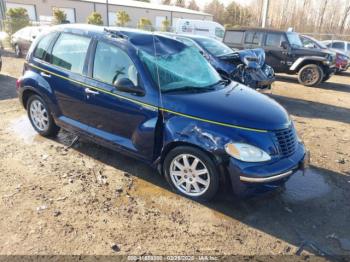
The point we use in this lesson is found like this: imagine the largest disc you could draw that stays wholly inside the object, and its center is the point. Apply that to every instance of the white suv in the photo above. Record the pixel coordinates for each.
(340, 45)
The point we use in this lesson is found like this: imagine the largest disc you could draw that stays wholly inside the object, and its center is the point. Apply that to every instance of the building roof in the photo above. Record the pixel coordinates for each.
(145, 5)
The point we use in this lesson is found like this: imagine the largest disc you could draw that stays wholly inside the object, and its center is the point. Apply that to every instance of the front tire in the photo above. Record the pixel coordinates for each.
(191, 173)
(326, 77)
(40, 117)
(310, 75)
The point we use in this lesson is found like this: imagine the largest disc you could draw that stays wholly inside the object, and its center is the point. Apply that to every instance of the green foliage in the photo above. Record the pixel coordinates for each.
(123, 18)
(16, 19)
(144, 23)
(95, 19)
(165, 25)
(59, 16)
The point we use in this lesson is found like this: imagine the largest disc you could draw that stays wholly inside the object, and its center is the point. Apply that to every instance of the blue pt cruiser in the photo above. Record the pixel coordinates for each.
(158, 100)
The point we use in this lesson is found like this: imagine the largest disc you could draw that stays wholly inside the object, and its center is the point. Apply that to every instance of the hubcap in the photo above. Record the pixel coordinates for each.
(189, 175)
(309, 75)
(39, 115)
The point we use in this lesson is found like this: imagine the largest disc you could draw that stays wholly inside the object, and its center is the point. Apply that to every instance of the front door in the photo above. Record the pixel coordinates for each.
(276, 56)
(119, 118)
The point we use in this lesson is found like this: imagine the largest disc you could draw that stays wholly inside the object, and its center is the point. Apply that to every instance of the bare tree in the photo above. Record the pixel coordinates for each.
(166, 2)
(217, 9)
(193, 5)
(345, 17)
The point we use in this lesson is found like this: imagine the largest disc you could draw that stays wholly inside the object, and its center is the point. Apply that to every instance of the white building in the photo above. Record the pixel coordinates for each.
(77, 11)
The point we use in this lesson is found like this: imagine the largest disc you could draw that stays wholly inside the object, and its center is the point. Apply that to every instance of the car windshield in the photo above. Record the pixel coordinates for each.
(318, 43)
(214, 47)
(294, 40)
(174, 72)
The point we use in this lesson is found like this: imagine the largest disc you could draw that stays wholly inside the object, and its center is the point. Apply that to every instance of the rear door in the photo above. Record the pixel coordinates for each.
(64, 72)
(276, 56)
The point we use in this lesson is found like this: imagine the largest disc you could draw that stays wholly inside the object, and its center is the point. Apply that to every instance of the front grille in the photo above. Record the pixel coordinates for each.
(287, 141)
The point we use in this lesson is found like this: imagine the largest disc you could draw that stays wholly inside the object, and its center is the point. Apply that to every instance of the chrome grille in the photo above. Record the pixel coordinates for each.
(287, 141)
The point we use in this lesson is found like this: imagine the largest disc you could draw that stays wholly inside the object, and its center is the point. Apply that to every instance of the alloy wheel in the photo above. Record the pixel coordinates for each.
(189, 175)
(39, 115)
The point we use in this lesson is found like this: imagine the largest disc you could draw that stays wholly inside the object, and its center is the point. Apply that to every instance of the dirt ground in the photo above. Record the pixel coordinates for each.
(92, 201)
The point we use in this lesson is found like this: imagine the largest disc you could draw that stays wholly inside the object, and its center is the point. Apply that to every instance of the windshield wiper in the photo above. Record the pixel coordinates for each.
(189, 88)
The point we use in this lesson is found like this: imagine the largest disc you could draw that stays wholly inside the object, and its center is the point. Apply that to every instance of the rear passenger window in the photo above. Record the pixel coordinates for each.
(253, 38)
(42, 47)
(233, 37)
(338, 45)
(111, 64)
(274, 40)
(70, 51)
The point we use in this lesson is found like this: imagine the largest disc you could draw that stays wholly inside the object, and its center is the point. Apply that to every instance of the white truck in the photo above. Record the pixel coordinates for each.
(200, 27)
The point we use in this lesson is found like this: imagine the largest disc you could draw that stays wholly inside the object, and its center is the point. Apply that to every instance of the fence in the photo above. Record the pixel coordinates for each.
(332, 37)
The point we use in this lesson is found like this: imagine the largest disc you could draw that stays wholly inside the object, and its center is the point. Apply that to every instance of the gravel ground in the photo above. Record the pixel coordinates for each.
(92, 201)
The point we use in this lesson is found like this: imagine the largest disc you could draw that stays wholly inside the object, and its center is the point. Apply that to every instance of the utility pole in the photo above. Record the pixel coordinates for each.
(265, 13)
(2, 14)
(107, 8)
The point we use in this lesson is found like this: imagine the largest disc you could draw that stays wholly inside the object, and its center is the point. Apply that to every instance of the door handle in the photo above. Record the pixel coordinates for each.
(45, 75)
(92, 92)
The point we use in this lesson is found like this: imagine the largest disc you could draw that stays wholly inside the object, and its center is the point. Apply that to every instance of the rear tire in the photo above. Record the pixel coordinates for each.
(310, 75)
(191, 173)
(40, 117)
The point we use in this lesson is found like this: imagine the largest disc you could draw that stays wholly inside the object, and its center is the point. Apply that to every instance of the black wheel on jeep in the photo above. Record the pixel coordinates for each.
(310, 75)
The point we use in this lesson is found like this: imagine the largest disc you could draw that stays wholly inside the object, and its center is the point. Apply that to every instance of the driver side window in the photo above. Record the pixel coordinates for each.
(111, 64)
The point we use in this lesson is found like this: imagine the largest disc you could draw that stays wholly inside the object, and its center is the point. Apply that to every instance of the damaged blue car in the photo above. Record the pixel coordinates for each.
(246, 66)
(160, 101)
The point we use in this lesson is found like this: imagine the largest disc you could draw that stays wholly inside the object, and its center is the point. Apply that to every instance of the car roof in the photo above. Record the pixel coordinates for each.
(256, 29)
(141, 39)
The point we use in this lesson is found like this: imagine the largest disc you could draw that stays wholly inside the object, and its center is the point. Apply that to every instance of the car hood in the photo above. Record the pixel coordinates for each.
(313, 51)
(235, 105)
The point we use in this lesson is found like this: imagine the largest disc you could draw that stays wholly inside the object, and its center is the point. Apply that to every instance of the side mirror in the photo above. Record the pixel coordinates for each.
(33, 37)
(127, 86)
(285, 45)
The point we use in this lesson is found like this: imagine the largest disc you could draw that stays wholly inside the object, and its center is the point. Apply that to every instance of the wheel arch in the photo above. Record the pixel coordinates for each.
(301, 62)
(28, 92)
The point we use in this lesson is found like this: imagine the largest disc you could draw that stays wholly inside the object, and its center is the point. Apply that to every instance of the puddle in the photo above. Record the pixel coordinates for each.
(22, 128)
(305, 187)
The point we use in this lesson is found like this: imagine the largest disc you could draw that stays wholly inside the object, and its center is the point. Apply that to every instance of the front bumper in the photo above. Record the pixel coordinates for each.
(262, 178)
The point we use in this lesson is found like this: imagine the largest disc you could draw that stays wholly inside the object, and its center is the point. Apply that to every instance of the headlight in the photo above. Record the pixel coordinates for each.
(246, 153)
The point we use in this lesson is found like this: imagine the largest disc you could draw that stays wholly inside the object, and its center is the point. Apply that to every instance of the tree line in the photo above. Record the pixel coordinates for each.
(310, 16)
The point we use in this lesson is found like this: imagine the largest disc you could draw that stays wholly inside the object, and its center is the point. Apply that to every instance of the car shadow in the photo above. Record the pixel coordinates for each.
(328, 85)
(311, 109)
(7, 87)
(346, 73)
(310, 207)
